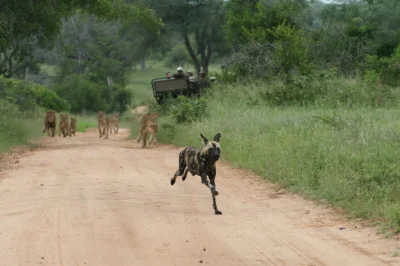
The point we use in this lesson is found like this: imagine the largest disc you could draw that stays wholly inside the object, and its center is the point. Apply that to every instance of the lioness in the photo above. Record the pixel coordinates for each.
(72, 126)
(63, 126)
(148, 124)
(114, 123)
(50, 123)
(103, 124)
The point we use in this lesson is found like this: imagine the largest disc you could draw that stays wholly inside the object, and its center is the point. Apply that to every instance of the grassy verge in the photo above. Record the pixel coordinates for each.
(15, 132)
(347, 156)
(17, 128)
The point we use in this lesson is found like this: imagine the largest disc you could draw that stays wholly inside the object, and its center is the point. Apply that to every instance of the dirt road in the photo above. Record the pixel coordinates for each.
(90, 201)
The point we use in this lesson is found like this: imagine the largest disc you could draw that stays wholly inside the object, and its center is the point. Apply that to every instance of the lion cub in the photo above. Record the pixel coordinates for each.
(103, 124)
(50, 123)
(72, 126)
(148, 124)
(63, 126)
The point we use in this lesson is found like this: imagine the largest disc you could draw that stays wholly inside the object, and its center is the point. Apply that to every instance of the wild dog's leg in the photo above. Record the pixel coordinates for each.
(182, 166)
(212, 189)
(216, 211)
(211, 175)
(185, 174)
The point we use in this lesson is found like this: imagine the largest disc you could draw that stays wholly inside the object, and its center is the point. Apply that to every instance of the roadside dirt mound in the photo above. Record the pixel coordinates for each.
(90, 201)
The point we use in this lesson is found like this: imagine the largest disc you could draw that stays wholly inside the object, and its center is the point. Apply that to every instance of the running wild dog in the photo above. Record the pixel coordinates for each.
(201, 162)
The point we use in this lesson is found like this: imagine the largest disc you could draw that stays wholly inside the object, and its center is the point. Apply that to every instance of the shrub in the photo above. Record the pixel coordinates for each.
(188, 110)
(85, 94)
(30, 95)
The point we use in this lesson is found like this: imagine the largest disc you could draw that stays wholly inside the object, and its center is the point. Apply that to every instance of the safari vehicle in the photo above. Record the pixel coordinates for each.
(164, 87)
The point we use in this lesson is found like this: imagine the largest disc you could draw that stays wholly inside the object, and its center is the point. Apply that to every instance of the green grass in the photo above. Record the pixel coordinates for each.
(85, 122)
(16, 132)
(17, 128)
(348, 157)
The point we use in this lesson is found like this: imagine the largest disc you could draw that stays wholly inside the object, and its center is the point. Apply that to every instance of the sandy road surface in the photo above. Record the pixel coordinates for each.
(90, 201)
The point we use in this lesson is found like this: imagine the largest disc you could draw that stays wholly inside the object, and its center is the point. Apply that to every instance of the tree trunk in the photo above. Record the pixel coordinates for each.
(189, 48)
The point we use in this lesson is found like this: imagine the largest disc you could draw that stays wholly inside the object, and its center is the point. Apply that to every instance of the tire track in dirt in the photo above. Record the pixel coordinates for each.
(90, 201)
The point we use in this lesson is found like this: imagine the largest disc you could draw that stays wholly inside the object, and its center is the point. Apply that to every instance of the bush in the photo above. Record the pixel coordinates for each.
(30, 95)
(188, 110)
(85, 94)
(385, 69)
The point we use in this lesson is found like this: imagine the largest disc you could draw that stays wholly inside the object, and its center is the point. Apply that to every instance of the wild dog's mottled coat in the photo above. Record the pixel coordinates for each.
(202, 163)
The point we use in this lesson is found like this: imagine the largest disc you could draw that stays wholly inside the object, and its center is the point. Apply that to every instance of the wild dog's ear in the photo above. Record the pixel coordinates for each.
(205, 140)
(217, 136)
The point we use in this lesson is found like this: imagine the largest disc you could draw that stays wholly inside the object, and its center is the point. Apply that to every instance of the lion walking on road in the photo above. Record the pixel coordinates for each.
(72, 126)
(148, 124)
(63, 126)
(50, 123)
(103, 123)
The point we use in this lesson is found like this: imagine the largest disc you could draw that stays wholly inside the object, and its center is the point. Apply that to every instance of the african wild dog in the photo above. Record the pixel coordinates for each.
(202, 163)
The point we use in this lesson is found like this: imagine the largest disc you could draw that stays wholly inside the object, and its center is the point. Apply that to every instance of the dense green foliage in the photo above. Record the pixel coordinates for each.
(26, 25)
(30, 95)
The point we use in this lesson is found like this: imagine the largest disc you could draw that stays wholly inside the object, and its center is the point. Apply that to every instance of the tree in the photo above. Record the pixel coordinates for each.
(25, 24)
(199, 24)
(249, 21)
(267, 37)
(96, 57)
